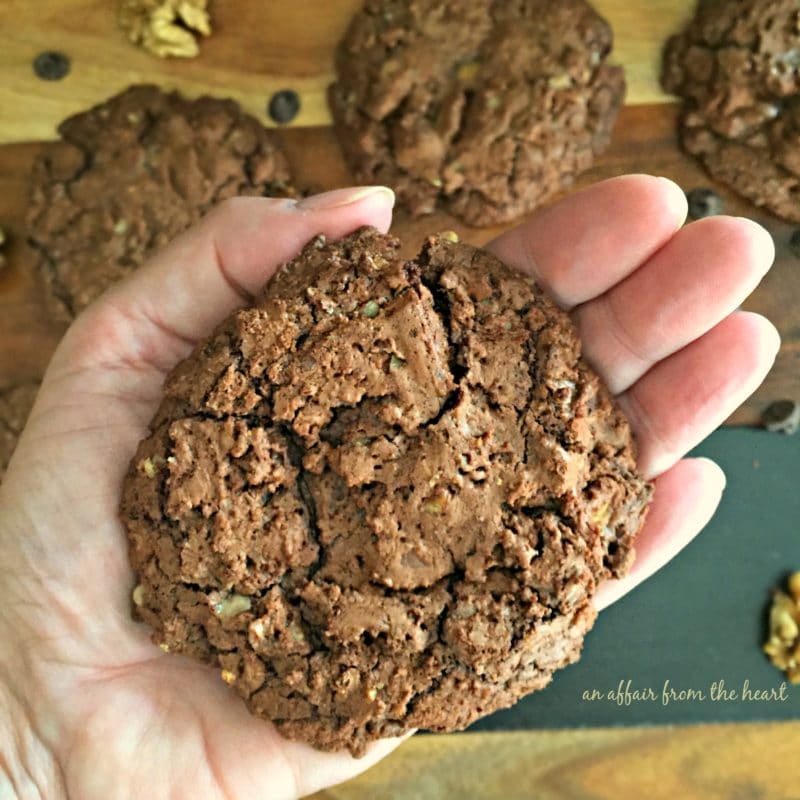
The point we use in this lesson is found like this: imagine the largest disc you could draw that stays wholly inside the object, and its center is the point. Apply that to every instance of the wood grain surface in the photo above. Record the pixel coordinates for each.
(256, 49)
(708, 762)
(644, 142)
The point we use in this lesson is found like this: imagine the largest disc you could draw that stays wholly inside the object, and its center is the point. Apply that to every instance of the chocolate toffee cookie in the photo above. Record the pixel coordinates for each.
(130, 175)
(16, 403)
(736, 66)
(485, 108)
(383, 497)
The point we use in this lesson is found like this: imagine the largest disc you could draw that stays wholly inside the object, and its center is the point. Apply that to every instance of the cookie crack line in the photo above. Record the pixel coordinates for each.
(296, 456)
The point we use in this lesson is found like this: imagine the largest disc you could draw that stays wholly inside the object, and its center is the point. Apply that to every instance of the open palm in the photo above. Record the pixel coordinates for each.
(99, 711)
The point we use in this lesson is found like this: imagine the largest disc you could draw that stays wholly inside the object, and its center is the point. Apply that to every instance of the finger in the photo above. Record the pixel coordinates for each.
(684, 398)
(703, 274)
(685, 499)
(581, 247)
(178, 297)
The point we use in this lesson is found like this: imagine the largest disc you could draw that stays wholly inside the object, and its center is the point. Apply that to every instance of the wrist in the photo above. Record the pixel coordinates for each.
(28, 768)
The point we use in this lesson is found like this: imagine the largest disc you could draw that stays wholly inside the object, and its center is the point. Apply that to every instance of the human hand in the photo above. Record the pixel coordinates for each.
(88, 707)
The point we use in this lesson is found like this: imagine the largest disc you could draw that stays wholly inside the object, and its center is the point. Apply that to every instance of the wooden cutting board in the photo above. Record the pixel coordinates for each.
(260, 47)
(704, 762)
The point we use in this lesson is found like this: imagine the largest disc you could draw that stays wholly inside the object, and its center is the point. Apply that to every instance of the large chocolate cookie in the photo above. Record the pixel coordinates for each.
(383, 497)
(16, 403)
(483, 107)
(737, 65)
(133, 173)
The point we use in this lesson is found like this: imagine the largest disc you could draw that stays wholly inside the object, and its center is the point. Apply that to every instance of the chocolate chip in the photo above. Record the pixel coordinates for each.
(51, 65)
(794, 243)
(284, 105)
(782, 417)
(704, 203)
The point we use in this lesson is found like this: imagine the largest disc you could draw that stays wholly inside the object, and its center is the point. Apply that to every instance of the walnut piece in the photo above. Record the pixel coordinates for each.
(2, 243)
(228, 676)
(138, 595)
(165, 27)
(230, 606)
(783, 645)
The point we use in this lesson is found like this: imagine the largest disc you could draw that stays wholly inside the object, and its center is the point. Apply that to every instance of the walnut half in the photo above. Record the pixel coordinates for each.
(783, 645)
(165, 27)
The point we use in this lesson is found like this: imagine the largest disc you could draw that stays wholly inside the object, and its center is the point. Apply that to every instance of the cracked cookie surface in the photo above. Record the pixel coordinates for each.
(131, 174)
(485, 108)
(737, 66)
(382, 497)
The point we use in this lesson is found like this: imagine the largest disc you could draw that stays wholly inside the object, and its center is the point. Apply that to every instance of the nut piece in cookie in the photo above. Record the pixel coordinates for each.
(131, 174)
(165, 27)
(736, 68)
(383, 496)
(483, 108)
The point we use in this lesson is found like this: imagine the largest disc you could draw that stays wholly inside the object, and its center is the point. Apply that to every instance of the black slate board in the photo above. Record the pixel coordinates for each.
(701, 619)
